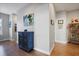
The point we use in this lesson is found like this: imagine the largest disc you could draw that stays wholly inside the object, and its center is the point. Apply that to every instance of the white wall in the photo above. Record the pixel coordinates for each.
(52, 27)
(71, 14)
(61, 30)
(41, 25)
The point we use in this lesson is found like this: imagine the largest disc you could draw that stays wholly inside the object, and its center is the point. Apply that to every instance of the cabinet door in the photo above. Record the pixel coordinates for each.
(21, 39)
(30, 37)
(25, 40)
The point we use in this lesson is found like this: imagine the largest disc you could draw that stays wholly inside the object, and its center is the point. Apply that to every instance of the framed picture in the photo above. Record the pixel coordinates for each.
(28, 19)
(60, 21)
(52, 22)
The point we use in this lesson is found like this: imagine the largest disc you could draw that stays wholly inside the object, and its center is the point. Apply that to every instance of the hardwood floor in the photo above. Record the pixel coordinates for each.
(68, 49)
(10, 48)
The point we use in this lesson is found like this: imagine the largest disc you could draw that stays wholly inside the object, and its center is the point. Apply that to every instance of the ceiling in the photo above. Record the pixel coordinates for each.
(66, 6)
(14, 7)
(11, 7)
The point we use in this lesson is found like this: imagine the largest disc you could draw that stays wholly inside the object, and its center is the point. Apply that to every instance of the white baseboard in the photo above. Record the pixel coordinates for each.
(52, 48)
(4, 39)
(42, 51)
(61, 41)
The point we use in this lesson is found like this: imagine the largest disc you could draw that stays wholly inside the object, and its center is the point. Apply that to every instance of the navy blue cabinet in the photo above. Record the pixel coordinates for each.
(26, 40)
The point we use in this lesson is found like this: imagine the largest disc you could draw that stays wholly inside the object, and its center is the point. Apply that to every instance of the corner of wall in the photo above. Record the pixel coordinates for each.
(48, 53)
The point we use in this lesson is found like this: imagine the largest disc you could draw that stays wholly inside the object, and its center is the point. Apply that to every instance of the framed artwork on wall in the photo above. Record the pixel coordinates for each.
(60, 21)
(28, 20)
(52, 22)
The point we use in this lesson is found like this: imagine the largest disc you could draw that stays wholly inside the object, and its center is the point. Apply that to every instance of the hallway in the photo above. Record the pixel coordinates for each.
(68, 49)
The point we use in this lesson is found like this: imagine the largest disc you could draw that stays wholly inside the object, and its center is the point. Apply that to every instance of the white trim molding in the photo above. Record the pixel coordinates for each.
(61, 41)
(52, 48)
(42, 51)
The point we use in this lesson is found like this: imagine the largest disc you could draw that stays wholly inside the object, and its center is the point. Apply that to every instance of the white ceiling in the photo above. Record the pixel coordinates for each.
(66, 6)
(11, 7)
(14, 7)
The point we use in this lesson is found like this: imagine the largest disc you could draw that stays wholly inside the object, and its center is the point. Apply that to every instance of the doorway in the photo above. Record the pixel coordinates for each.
(14, 27)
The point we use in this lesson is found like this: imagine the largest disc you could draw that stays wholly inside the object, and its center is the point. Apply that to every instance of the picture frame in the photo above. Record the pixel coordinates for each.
(52, 22)
(60, 21)
(28, 19)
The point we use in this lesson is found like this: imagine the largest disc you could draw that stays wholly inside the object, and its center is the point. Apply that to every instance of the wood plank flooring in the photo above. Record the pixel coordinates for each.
(10, 48)
(68, 49)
